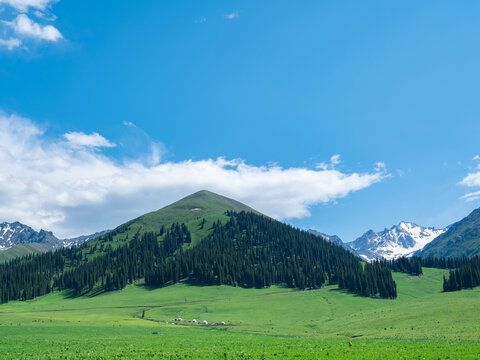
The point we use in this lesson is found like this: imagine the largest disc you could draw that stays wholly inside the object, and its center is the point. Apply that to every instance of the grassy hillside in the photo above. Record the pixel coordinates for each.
(22, 250)
(189, 210)
(261, 323)
(461, 239)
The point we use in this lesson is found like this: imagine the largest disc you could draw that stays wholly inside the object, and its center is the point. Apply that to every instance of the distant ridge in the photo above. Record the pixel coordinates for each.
(332, 238)
(17, 239)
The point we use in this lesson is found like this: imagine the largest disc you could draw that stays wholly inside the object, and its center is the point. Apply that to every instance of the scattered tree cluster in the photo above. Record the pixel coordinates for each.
(467, 276)
(374, 279)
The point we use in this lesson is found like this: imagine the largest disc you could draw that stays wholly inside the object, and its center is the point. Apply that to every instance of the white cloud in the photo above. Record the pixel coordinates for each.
(44, 16)
(472, 180)
(10, 44)
(23, 25)
(92, 140)
(232, 15)
(72, 189)
(24, 5)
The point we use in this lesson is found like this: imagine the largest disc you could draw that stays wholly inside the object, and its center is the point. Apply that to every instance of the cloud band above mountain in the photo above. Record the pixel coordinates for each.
(76, 189)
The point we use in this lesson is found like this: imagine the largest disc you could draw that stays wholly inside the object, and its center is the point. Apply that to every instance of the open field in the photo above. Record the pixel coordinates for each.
(422, 323)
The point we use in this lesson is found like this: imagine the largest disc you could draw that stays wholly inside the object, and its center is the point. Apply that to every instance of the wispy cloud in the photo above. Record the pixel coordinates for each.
(10, 44)
(232, 15)
(94, 140)
(472, 180)
(78, 189)
(129, 123)
(380, 166)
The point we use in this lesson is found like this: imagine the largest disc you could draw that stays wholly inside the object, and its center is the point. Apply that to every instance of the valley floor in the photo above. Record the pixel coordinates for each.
(274, 323)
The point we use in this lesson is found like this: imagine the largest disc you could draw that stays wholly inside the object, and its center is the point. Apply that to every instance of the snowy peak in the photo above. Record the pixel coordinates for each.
(15, 233)
(403, 239)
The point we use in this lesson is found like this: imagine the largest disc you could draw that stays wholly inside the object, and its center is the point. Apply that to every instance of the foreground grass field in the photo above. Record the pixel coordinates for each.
(136, 323)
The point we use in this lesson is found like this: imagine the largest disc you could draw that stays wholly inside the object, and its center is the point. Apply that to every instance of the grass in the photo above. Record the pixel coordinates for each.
(422, 323)
(22, 250)
(189, 210)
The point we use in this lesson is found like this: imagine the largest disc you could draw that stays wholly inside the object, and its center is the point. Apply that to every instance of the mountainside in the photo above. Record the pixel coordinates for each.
(189, 210)
(461, 239)
(205, 239)
(403, 239)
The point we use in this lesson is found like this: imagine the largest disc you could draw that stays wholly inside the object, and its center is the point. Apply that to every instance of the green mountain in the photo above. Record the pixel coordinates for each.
(189, 211)
(461, 239)
(204, 239)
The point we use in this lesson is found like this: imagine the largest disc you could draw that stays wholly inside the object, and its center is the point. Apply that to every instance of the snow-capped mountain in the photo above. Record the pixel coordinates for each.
(403, 239)
(82, 239)
(16, 233)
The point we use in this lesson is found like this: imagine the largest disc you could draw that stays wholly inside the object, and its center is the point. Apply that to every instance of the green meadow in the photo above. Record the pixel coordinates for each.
(273, 323)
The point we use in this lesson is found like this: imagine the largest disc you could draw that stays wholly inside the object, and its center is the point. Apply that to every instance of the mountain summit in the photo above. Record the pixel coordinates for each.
(403, 239)
(200, 205)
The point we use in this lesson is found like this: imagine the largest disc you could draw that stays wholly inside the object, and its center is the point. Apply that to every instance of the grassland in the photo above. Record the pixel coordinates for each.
(423, 323)
(22, 250)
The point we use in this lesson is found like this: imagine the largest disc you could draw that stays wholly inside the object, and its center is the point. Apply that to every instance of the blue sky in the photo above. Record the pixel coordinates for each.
(162, 89)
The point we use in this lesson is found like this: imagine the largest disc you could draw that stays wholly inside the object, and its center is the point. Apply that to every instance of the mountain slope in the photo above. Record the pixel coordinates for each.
(239, 248)
(189, 210)
(403, 239)
(461, 239)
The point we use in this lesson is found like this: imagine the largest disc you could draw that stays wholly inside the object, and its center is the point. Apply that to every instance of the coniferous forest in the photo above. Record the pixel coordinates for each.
(249, 250)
